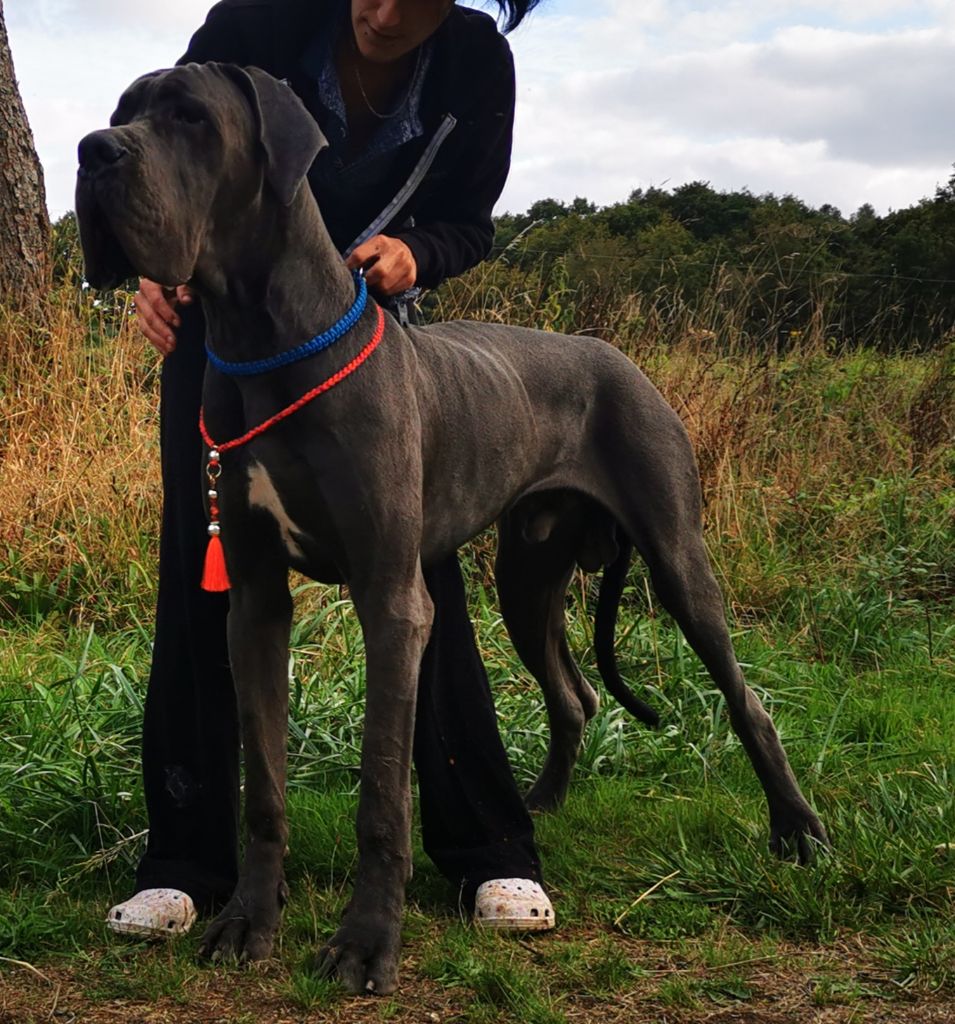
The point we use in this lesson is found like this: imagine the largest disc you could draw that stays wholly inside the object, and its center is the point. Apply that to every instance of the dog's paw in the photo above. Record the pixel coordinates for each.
(799, 836)
(363, 955)
(245, 929)
(546, 795)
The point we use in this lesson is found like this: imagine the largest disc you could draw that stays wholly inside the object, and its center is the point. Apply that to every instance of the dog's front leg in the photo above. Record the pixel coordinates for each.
(259, 621)
(396, 622)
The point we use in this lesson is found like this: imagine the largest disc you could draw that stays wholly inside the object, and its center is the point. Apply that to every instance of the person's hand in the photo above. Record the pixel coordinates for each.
(156, 312)
(394, 269)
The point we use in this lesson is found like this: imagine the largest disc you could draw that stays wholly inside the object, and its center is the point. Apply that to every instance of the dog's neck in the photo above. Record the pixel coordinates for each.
(272, 288)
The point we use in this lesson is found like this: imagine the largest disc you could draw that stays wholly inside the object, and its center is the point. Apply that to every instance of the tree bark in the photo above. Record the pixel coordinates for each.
(24, 222)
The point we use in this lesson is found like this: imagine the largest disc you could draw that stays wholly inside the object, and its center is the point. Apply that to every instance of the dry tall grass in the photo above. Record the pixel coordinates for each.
(810, 450)
(812, 454)
(79, 455)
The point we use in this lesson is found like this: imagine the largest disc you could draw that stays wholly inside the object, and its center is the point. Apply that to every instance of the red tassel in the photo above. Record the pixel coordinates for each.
(214, 575)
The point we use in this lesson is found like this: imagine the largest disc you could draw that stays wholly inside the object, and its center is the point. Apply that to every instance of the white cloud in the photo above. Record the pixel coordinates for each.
(835, 114)
(870, 98)
(142, 20)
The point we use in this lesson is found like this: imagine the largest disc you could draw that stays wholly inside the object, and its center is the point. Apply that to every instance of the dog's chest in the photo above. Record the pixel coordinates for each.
(269, 515)
(263, 495)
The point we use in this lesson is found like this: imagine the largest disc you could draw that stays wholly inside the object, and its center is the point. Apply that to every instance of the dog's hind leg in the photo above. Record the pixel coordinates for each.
(532, 578)
(260, 617)
(671, 543)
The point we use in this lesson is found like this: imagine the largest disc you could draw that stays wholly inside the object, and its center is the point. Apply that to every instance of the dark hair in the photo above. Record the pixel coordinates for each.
(514, 11)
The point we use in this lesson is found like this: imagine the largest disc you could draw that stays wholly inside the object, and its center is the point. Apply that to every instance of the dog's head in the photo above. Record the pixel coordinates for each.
(189, 152)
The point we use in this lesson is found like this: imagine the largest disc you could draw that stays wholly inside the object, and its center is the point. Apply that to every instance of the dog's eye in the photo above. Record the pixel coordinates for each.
(187, 115)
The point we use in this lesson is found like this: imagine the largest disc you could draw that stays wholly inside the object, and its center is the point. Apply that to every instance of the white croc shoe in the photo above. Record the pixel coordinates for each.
(154, 914)
(513, 904)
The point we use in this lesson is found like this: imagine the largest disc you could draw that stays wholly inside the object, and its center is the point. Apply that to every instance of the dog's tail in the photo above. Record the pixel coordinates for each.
(605, 624)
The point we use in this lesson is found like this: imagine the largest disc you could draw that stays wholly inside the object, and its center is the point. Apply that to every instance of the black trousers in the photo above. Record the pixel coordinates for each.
(474, 823)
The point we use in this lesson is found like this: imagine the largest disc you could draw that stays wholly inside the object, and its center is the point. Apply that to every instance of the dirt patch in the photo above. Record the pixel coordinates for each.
(791, 985)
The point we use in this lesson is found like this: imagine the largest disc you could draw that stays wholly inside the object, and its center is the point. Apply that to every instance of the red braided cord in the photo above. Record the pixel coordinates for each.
(326, 385)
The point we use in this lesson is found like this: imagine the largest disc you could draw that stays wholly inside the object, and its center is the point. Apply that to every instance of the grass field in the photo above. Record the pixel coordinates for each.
(829, 516)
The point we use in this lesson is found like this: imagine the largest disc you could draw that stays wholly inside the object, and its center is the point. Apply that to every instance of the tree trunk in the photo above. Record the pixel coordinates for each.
(24, 222)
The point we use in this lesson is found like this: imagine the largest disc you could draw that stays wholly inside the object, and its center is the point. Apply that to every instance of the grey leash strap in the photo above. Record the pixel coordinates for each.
(410, 186)
(403, 304)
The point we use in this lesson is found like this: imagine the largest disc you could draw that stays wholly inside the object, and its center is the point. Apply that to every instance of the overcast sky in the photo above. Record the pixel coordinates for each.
(843, 101)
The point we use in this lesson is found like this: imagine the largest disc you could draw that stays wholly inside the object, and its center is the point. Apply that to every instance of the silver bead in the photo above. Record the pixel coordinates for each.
(213, 495)
(214, 455)
(213, 530)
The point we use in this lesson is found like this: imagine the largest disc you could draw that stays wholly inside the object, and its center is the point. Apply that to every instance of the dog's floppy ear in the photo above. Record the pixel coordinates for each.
(288, 133)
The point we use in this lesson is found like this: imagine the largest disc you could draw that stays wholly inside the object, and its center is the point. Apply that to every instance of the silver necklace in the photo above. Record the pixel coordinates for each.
(404, 103)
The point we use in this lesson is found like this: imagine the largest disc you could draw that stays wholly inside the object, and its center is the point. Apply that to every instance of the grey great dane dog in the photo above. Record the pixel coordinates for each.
(442, 431)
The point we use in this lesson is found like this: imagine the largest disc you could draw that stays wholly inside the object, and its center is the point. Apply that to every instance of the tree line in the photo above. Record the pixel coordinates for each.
(883, 280)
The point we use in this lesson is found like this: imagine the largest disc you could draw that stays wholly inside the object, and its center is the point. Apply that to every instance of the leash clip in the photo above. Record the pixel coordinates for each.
(404, 303)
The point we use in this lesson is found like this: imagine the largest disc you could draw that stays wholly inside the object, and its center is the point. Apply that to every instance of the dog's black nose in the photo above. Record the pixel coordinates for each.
(100, 150)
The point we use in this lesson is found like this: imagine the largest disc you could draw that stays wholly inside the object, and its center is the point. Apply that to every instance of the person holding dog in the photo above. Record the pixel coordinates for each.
(416, 98)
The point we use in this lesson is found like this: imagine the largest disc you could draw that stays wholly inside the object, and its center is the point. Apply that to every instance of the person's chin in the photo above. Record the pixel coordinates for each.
(380, 49)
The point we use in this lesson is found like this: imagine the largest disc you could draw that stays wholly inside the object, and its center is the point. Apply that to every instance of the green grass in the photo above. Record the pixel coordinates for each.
(661, 846)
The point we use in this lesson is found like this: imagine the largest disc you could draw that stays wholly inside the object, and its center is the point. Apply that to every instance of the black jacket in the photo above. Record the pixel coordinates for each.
(471, 77)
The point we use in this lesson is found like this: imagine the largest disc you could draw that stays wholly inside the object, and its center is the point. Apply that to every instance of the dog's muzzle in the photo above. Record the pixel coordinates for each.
(99, 152)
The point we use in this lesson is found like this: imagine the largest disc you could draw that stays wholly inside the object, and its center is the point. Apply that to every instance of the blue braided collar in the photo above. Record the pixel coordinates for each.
(293, 355)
